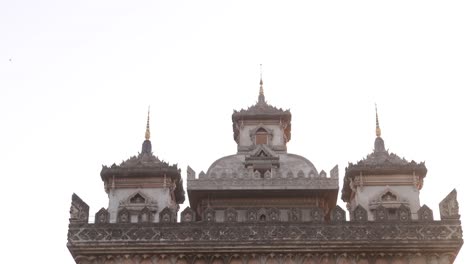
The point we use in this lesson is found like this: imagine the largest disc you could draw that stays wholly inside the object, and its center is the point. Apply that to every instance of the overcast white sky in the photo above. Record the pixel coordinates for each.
(76, 78)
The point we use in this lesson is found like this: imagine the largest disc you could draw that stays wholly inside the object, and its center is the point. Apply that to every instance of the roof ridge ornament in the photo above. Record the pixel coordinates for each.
(146, 148)
(261, 95)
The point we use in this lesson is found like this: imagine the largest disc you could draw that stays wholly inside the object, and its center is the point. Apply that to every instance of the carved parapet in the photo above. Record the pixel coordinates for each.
(187, 215)
(360, 214)
(449, 207)
(425, 214)
(79, 210)
(102, 216)
(338, 215)
(167, 215)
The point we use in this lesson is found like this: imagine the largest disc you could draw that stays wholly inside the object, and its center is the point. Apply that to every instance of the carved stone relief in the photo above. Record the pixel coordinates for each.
(294, 215)
(187, 215)
(167, 216)
(102, 216)
(209, 215)
(123, 216)
(338, 215)
(360, 214)
(317, 214)
(79, 210)
(425, 214)
(449, 206)
(230, 215)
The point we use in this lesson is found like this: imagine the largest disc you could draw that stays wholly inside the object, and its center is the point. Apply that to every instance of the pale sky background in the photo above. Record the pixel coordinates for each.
(76, 78)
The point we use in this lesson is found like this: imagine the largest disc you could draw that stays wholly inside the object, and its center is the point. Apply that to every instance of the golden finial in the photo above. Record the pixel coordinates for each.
(261, 80)
(377, 126)
(147, 133)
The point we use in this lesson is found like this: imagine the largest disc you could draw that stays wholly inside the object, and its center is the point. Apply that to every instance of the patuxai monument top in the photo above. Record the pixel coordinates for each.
(264, 205)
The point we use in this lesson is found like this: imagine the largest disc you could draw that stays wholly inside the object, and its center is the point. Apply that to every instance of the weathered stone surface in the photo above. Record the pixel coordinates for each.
(79, 210)
(449, 206)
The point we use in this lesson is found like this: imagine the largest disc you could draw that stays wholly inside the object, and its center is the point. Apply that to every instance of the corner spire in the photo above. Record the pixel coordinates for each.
(147, 133)
(261, 95)
(378, 132)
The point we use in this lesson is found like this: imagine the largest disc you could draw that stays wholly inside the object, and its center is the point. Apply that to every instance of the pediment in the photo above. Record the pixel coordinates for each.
(262, 151)
(389, 198)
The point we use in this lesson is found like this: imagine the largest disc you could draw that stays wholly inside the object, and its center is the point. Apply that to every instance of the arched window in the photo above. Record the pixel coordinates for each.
(261, 136)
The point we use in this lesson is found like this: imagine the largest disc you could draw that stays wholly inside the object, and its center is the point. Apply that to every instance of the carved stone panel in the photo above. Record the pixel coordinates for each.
(381, 214)
(123, 216)
(425, 214)
(209, 215)
(188, 215)
(252, 215)
(145, 215)
(360, 214)
(404, 213)
(102, 216)
(273, 215)
(294, 215)
(230, 215)
(167, 216)
(338, 215)
(316, 215)
(449, 206)
(79, 210)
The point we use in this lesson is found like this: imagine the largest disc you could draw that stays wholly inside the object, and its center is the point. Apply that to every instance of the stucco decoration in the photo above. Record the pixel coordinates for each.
(317, 214)
(145, 215)
(338, 215)
(137, 201)
(167, 216)
(449, 206)
(251, 215)
(360, 214)
(187, 215)
(381, 213)
(425, 214)
(404, 213)
(294, 215)
(388, 198)
(123, 216)
(230, 215)
(209, 215)
(273, 214)
(79, 210)
(102, 216)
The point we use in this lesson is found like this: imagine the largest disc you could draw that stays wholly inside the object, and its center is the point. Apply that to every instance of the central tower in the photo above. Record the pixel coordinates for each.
(262, 180)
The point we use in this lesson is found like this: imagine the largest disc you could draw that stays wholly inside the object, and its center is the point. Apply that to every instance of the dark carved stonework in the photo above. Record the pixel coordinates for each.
(381, 213)
(167, 216)
(230, 215)
(145, 215)
(338, 215)
(79, 210)
(317, 214)
(449, 206)
(360, 214)
(209, 215)
(425, 214)
(102, 216)
(123, 216)
(294, 215)
(252, 215)
(273, 214)
(404, 213)
(188, 215)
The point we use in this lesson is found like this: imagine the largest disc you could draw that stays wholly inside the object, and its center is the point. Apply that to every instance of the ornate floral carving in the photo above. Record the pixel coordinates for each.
(360, 214)
(273, 214)
(145, 215)
(123, 216)
(79, 210)
(294, 215)
(425, 214)
(338, 214)
(230, 215)
(381, 214)
(404, 213)
(102, 216)
(251, 215)
(317, 214)
(449, 206)
(167, 215)
(209, 215)
(187, 215)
